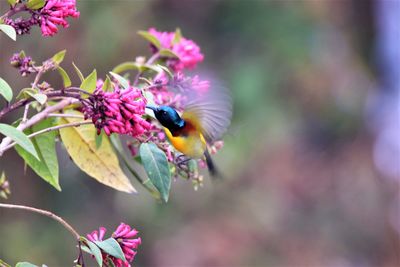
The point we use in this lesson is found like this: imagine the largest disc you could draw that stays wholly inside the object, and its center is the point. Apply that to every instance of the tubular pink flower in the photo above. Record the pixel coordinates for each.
(55, 13)
(187, 50)
(118, 112)
(124, 236)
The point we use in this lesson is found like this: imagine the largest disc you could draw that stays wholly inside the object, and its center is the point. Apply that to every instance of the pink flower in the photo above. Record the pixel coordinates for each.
(117, 112)
(55, 13)
(188, 51)
(189, 55)
(124, 235)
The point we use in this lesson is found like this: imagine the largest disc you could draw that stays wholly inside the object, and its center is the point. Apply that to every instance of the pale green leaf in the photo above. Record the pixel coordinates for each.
(121, 80)
(89, 83)
(65, 77)
(9, 31)
(5, 90)
(107, 85)
(12, 2)
(94, 250)
(100, 163)
(59, 57)
(156, 165)
(130, 65)
(25, 264)
(111, 247)
(177, 36)
(40, 98)
(35, 4)
(19, 137)
(168, 53)
(151, 38)
(78, 72)
(45, 145)
(26, 93)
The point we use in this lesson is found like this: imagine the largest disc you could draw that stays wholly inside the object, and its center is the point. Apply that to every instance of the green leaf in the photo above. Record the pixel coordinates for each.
(102, 164)
(12, 2)
(41, 98)
(99, 139)
(89, 83)
(19, 137)
(107, 86)
(78, 72)
(59, 57)
(151, 38)
(25, 264)
(5, 90)
(168, 53)
(177, 36)
(111, 247)
(9, 31)
(110, 262)
(65, 77)
(35, 4)
(94, 250)
(156, 165)
(130, 65)
(45, 145)
(121, 80)
(26, 93)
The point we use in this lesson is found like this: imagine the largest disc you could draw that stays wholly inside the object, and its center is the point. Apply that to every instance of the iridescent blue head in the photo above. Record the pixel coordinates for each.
(168, 117)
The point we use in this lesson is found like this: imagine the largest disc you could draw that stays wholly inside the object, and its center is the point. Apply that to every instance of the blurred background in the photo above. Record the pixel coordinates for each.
(311, 160)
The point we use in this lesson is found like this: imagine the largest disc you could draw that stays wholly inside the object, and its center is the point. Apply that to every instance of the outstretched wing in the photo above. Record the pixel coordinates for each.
(212, 108)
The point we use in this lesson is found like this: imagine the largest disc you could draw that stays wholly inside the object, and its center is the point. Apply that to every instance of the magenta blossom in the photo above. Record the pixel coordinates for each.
(124, 235)
(188, 51)
(119, 112)
(55, 13)
(23, 63)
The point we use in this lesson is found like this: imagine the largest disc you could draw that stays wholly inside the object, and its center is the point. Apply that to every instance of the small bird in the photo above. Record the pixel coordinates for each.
(205, 119)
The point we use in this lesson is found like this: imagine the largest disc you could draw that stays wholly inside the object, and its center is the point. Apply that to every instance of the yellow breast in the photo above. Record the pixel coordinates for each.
(192, 145)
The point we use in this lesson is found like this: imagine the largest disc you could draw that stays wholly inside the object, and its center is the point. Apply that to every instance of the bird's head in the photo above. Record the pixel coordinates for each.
(168, 117)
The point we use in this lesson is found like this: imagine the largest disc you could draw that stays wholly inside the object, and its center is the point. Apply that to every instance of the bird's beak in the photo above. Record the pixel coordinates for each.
(153, 108)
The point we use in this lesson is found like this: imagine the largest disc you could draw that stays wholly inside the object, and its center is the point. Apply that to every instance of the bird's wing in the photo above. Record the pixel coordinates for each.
(211, 109)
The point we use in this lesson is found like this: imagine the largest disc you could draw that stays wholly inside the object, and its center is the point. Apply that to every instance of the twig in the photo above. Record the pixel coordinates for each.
(63, 115)
(25, 116)
(45, 213)
(23, 102)
(35, 119)
(13, 11)
(72, 124)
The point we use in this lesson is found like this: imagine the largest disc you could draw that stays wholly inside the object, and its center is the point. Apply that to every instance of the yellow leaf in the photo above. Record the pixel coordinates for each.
(100, 163)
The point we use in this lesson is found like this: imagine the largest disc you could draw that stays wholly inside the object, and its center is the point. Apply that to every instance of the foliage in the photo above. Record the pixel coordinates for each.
(107, 123)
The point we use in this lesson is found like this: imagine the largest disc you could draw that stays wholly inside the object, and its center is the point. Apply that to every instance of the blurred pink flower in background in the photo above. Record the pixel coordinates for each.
(188, 51)
(55, 13)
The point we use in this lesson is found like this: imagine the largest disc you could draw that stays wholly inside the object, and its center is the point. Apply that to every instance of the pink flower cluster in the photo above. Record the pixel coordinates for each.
(124, 235)
(55, 13)
(173, 92)
(188, 51)
(117, 112)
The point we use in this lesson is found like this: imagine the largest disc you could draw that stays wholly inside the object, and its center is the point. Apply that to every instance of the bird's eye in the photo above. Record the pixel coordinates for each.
(164, 112)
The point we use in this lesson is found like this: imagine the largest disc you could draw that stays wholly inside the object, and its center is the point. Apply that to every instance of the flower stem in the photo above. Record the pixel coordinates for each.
(45, 213)
(13, 11)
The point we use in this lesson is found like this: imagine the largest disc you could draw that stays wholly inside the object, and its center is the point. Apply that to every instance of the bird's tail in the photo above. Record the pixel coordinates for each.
(211, 166)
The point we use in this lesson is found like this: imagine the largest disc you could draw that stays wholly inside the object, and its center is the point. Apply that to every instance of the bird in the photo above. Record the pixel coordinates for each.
(205, 118)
